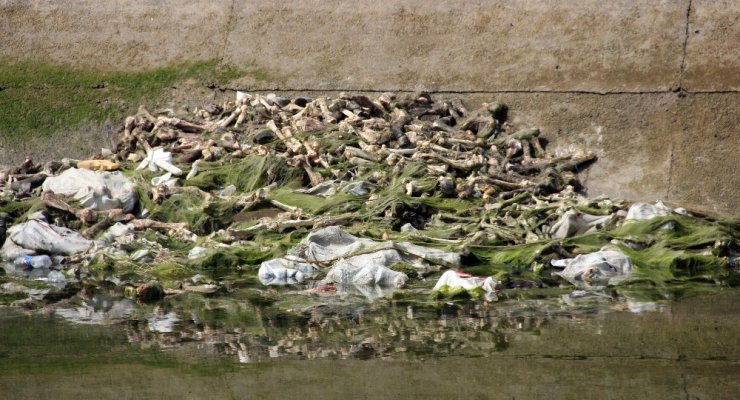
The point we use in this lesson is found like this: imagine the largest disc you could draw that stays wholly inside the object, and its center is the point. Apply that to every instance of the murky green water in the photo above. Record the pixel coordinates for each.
(545, 345)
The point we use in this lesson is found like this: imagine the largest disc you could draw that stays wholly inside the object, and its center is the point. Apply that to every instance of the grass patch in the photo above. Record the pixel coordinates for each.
(38, 99)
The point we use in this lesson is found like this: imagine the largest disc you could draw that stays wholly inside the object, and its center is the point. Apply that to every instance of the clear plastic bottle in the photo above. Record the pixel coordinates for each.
(56, 277)
(42, 261)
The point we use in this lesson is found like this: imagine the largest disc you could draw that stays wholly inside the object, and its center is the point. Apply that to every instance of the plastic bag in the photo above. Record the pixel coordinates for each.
(37, 236)
(284, 271)
(157, 159)
(605, 266)
(96, 190)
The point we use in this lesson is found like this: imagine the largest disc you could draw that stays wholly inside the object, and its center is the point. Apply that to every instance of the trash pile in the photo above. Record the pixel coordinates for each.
(353, 192)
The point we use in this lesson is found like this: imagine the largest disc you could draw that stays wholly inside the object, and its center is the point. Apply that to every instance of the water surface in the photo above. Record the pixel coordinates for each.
(549, 346)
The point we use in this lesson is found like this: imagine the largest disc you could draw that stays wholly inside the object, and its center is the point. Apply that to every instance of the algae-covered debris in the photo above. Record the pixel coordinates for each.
(456, 284)
(409, 183)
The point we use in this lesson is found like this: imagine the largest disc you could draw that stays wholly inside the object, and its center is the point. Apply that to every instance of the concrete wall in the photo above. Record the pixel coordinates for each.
(652, 86)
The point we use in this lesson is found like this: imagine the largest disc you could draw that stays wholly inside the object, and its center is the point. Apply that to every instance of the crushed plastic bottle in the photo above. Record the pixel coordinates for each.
(227, 191)
(56, 277)
(42, 261)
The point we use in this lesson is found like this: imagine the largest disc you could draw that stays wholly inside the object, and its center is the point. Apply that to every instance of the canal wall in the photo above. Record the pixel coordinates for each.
(652, 86)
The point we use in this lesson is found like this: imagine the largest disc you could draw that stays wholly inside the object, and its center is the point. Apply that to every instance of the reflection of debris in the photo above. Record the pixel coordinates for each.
(579, 298)
(640, 307)
(98, 310)
(163, 322)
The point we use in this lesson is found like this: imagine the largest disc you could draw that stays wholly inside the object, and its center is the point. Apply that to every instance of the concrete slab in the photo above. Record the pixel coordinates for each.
(488, 45)
(713, 48)
(706, 166)
(649, 146)
(114, 35)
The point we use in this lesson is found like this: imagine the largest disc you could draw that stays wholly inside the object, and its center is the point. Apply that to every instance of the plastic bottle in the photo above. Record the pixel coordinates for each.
(42, 261)
(56, 277)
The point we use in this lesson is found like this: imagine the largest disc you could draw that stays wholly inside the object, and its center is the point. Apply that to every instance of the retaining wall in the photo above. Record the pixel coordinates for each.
(652, 86)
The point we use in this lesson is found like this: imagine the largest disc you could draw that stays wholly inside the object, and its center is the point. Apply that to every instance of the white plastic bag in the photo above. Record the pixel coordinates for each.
(97, 190)
(605, 266)
(458, 279)
(284, 271)
(369, 269)
(40, 237)
(574, 223)
(643, 211)
(157, 159)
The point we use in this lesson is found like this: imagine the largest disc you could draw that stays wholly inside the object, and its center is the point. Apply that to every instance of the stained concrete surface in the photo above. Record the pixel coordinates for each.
(713, 46)
(113, 35)
(442, 45)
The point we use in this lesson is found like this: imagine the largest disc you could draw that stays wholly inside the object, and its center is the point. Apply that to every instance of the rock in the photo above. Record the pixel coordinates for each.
(447, 187)
(213, 109)
(273, 99)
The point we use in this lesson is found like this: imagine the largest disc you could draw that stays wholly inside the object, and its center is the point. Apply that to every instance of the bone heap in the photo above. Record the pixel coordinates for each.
(410, 167)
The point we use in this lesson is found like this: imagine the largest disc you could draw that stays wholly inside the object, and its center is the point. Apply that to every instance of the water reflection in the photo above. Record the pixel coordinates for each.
(51, 276)
(162, 322)
(99, 309)
(323, 328)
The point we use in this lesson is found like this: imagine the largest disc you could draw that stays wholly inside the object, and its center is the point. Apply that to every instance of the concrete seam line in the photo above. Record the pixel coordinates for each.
(443, 91)
(227, 31)
(687, 32)
(464, 91)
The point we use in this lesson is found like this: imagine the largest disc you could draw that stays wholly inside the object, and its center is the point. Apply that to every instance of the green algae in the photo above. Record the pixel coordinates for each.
(315, 205)
(172, 272)
(247, 174)
(672, 248)
(496, 259)
(17, 211)
(680, 232)
(7, 298)
(225, 261)
(411, 272)
(457, 293)
(203, 213)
